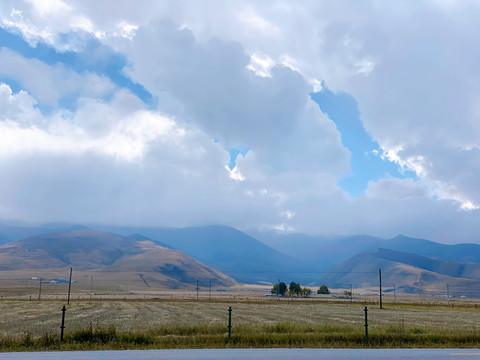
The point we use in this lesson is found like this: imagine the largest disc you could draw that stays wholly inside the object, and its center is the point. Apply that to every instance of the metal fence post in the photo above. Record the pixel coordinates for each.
(229, 323)
(62, 327)
(366, 324)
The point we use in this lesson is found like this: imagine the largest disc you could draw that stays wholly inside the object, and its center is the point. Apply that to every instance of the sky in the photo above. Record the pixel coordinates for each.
(319, 117)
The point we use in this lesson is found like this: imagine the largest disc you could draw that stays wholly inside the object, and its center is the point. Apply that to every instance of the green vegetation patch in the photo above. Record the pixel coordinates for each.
(281, 334)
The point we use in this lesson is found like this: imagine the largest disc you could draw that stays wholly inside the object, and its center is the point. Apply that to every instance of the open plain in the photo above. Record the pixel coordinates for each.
(40, 317)
(176, 321)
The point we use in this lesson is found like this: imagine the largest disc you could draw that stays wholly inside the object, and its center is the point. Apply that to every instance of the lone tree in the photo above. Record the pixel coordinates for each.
(306, 291)
(283, 288)
(291, 287)
(323, 290)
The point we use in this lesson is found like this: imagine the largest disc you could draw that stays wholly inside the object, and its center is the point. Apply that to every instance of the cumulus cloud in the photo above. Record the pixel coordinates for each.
(411, 66)
(141, 168)
(32, 19)
(271, 115)
(239, 76)
(26, 131)
(19, 108)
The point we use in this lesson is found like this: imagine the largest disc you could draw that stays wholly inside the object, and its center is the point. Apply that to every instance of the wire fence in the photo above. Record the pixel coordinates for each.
(194, 285)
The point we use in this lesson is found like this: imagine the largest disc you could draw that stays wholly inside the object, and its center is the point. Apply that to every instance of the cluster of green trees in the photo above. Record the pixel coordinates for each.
(295, 289)
(323, 290)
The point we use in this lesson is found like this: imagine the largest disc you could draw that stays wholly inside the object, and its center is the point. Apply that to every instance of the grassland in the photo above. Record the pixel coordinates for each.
(118, 324)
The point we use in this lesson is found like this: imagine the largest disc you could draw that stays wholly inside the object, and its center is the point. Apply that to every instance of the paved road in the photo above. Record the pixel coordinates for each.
(247, 354)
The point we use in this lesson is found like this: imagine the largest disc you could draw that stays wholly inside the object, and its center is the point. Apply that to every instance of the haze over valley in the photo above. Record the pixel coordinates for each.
(182, 258)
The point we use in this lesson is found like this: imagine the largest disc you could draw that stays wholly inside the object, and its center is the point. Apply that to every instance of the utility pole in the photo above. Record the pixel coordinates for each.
(91, 286)
(69, 286)
(40, 289)
(380, 278)
(448, 295)
(197, 290)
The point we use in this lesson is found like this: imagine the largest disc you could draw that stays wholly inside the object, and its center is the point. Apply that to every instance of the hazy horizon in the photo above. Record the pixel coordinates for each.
(267, 236)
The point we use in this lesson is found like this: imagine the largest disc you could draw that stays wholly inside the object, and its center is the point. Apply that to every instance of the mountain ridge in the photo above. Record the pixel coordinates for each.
(105, 252)
(417, 273)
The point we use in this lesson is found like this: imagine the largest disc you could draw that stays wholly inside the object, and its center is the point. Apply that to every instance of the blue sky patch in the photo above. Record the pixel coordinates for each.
(95, 57)
(365, 164)
(234, 153)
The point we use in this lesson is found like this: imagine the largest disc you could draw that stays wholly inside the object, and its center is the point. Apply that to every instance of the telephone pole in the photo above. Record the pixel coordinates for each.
(448, 294)
(40, 289)
(380, 279)
(69, 286)
(197, 290)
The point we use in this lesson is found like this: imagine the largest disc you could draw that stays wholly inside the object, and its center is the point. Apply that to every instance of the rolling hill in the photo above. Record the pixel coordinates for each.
(230, 251)
(407, 272)
(107, 253)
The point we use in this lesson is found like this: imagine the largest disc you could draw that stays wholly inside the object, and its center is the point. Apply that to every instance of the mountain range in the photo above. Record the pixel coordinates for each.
(230, 251)
(411, 264)
(327, 252)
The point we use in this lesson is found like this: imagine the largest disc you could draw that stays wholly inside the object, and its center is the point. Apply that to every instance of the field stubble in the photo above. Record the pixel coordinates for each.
(40, 317)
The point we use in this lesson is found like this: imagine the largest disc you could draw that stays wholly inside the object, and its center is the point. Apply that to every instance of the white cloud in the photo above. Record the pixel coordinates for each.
(235, 174)
(411, 66)
(395, 189)
(25, 131)
(45, 20)
(49, 83)
(253, 21)
(261, 65)
(140, 167)
(271, 115)
(19, 108)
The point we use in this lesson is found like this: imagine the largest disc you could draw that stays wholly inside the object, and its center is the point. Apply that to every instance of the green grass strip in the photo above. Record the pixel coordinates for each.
(281, 334)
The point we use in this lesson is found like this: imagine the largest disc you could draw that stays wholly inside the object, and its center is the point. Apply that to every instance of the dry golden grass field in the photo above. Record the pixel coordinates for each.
(40, 317)
(120, 310)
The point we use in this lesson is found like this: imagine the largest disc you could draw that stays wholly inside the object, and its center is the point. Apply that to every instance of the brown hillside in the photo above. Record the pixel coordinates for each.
(108, 253)
(407, 272)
